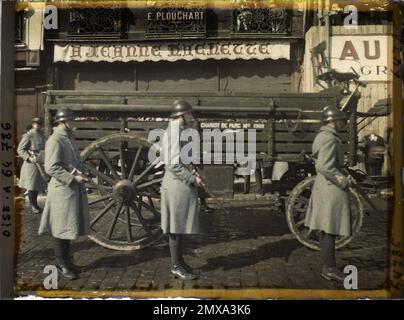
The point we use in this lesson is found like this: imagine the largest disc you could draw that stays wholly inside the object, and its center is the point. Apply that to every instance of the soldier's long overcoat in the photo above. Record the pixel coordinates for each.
(66, 212)
(328, 208)
(179, 195)
(30, 177)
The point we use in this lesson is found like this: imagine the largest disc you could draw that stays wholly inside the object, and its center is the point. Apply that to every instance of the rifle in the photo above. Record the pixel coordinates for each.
(194, 171)
(355, 185)
(44, 176)
(358, 188)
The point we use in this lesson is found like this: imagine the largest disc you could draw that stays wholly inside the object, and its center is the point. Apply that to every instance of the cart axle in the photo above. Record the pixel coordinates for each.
(124, 191)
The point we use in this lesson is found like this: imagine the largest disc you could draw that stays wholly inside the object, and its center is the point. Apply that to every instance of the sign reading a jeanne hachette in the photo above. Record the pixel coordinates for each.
(365, 54)
(173, 51)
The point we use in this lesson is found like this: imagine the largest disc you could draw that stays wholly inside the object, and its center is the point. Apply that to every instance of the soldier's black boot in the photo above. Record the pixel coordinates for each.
(62, 257)
(35, 210)
(180, 272)
(33, 202)
(327, 252)
(182, 262)
(177, 262)
(76, 269)
(194, 271)
(332, 273)
(66, 272)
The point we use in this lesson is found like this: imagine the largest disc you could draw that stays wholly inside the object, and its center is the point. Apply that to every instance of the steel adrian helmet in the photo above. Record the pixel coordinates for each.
(332, 113)
(64, 115)
(179, 108)
(37, 120)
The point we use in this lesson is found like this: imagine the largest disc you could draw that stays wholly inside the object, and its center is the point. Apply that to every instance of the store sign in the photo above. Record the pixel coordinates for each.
(175, 22)
(174, 51)
(365, 54)
(175, 15)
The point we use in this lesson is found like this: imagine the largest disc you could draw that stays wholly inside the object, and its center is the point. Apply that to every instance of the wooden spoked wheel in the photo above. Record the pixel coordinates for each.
(123, 191)
(296, 209)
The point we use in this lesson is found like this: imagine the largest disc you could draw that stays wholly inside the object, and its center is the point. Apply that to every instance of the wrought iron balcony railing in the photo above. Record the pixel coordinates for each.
(95, 22)
(176, 22)
(261, 21)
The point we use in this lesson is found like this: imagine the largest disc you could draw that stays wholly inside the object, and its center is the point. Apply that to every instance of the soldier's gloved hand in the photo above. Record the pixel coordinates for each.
(32, 159)
(79, 179)
(199, 182)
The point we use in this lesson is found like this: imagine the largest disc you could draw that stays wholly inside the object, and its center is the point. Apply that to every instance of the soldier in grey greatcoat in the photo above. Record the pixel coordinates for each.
(328, 210)
(66, 212)
(179, 194)
(30, 147)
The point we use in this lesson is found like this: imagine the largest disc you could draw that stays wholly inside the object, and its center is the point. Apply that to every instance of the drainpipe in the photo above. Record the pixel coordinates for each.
(327, 30)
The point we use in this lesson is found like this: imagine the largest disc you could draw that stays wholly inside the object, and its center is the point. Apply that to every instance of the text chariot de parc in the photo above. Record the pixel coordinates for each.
(211, 141)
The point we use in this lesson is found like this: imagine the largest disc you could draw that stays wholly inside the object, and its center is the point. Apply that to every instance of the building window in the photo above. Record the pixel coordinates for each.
(261, 21)
(20, 20)
(370, 12)
(102, 22)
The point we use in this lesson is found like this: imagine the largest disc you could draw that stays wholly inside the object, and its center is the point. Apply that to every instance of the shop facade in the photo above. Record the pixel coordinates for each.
(194, 49)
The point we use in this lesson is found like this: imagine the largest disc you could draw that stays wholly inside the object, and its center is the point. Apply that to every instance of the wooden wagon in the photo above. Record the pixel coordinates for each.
(113, 132)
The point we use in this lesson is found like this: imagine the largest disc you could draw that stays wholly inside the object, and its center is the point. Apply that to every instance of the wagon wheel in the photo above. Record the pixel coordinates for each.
(124, 196)
(296, 209)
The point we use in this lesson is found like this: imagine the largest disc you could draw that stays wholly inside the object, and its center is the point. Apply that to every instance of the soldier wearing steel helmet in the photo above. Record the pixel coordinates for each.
(66, 212)
(328, 210)
(179, 195)
(30, 147)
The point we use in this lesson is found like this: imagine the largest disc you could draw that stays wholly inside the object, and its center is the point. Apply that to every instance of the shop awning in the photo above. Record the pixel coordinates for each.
(174, 51)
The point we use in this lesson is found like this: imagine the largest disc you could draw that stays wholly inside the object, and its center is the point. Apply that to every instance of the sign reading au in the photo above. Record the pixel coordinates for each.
(173, 51)
(365, 54)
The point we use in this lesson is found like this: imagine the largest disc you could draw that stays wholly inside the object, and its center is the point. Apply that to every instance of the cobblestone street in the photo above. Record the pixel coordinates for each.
(249, 247)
